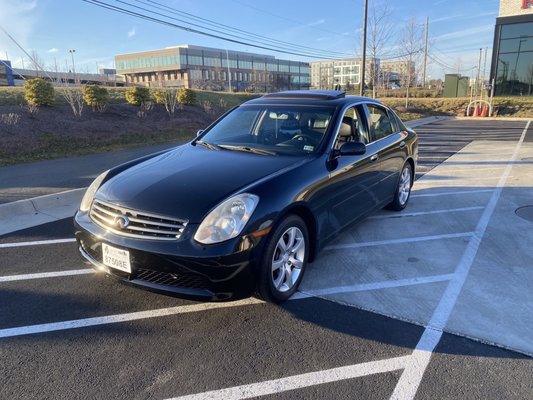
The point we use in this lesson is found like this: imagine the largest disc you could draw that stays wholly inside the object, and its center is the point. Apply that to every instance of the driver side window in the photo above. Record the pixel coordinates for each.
(350, 129)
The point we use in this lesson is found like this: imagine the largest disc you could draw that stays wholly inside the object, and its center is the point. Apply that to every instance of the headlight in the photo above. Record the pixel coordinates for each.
(91, 191)
(227, 220)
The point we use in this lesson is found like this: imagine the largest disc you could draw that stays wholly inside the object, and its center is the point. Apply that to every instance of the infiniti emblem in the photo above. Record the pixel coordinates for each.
(121, 221)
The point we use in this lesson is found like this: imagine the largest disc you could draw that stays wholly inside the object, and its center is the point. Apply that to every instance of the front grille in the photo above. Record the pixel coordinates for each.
(172, 279)
(138, 224)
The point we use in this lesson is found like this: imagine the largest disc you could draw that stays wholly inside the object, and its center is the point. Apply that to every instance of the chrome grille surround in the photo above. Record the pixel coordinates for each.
(140, 224)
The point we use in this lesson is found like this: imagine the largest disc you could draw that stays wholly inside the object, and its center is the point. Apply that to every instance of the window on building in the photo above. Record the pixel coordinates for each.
(514, 69)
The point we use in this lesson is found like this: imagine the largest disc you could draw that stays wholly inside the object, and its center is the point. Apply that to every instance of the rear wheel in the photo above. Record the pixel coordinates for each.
(403, 189)
(285, 259)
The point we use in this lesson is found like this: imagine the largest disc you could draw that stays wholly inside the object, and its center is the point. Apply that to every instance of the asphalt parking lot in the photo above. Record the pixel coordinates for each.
(434, 302)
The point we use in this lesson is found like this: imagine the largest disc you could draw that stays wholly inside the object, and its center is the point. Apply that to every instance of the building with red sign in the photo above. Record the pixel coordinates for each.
(512, 58)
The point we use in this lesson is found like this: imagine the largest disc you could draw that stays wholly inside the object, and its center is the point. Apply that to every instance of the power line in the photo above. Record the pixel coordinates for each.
(242, 41)
(288, 19)
(175, 11)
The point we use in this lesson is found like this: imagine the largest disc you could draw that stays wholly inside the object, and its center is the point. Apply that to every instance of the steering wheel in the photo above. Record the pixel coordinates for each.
(305, 138)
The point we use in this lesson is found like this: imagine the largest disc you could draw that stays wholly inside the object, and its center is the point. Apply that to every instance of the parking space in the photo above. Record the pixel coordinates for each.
(377, 315)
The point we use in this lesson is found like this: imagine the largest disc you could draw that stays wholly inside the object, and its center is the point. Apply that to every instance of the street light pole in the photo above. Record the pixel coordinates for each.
(363, 53)
(72, 51)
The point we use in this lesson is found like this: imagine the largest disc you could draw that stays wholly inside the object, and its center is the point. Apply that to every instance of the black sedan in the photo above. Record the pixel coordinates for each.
(252, 199)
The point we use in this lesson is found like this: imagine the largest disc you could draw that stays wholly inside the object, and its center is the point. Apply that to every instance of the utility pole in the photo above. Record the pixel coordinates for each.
(229, 72)
(478, 68)
(484, 70)
(363, 55)
(425, 54)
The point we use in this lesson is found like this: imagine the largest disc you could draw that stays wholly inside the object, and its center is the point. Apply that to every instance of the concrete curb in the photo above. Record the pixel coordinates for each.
(24, 214)
(424, 121)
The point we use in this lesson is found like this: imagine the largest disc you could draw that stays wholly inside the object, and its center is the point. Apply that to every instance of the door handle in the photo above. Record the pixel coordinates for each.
(402, 145)
(374, 157)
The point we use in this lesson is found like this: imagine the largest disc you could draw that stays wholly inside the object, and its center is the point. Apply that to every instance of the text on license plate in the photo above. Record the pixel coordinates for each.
(116, 258)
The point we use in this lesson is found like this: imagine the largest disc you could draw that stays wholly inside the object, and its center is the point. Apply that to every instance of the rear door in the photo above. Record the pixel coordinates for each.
(389, 143)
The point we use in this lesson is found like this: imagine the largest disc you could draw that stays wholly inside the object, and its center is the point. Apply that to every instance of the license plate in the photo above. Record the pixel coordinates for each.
(116, 258)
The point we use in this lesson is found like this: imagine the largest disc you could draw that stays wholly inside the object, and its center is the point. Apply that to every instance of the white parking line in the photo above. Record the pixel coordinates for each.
(398, 241)
(301, 381)
(111, 319)
(416, 214)
(36, 243)
(371, 286)
(414, 195)
(412, 375)
(44, 275)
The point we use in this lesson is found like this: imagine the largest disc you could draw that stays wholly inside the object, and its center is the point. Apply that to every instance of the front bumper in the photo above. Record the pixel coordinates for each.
(183, 268)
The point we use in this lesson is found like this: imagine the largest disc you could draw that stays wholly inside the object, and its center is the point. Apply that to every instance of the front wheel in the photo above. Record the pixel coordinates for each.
(284, 261)
(403, 189)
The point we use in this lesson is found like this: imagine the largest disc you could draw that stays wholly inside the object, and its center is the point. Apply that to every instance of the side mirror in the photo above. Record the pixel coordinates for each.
(352, 149)
(198, 133)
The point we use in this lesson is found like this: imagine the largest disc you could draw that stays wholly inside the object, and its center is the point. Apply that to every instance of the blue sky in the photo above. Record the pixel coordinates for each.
(458, 29)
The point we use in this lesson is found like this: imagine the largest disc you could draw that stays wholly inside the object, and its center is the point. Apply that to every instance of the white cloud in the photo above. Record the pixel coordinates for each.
(469, 32)
(131, 33)
(53, 50)
(318, 22)
(18, 19)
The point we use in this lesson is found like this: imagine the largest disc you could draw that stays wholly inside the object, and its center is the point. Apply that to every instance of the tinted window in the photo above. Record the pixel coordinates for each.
(379, 122)
(351, 129)
(282, 129)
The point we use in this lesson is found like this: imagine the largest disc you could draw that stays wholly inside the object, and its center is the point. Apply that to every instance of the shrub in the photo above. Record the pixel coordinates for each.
(38, 92)
(138, 95)
(96, 96)
(186, 96)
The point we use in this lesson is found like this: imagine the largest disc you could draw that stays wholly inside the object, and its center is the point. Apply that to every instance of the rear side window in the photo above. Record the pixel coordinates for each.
(379, 122)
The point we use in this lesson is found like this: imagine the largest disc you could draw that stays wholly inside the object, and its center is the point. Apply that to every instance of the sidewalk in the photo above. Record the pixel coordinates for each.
(25, 181)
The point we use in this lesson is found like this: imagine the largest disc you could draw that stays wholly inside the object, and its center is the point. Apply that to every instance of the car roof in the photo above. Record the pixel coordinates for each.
(311, 97)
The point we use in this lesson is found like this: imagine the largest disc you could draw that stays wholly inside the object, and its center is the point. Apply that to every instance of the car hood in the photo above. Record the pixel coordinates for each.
(189, 181)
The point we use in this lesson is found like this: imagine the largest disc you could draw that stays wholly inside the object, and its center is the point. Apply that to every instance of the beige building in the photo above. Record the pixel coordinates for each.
(345, 72)
(214, 69)
(397, 72)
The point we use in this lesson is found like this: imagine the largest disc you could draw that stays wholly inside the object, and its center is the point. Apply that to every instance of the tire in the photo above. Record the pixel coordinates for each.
(403, 189)
(285, 258)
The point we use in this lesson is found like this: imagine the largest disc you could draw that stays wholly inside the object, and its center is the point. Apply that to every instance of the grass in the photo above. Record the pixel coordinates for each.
(52, 145)
(56, 144)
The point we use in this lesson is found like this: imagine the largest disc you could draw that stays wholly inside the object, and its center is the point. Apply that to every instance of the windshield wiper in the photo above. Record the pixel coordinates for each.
(208, 145)
(249, 149)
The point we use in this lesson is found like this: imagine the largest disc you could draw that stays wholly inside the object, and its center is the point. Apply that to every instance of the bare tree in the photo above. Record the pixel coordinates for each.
(37, 64)
(167, 96)
(380, 33)
(411, 44)
(73, 95)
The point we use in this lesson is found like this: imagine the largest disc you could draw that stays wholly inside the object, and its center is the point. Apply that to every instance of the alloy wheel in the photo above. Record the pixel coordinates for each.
(288, 259)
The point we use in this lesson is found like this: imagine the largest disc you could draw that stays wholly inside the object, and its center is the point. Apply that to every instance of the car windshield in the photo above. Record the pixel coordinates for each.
(271, 129)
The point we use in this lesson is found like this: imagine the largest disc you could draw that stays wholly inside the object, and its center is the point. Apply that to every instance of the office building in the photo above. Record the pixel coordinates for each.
(212, 69)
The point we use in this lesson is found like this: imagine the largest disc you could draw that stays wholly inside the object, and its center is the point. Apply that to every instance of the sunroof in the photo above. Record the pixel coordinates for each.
(308, 94)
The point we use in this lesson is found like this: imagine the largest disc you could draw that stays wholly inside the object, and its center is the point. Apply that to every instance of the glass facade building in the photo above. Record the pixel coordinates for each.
(213, 69)
(512, 62)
